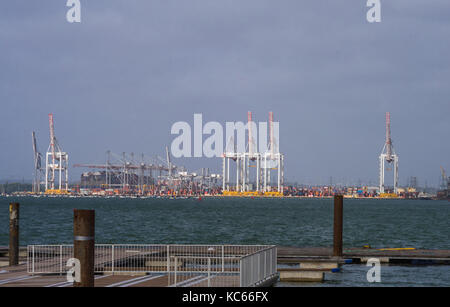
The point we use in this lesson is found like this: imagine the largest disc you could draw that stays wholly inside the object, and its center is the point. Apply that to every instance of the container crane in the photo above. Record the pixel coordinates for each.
(57, 163)
(388, 155)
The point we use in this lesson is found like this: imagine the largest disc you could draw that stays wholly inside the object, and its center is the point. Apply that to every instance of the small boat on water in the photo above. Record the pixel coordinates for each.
(424, 196)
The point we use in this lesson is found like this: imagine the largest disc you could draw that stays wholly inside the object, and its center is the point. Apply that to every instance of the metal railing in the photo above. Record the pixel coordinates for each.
(193, 271)
(258, 267)
(47, 259)
(184, 265)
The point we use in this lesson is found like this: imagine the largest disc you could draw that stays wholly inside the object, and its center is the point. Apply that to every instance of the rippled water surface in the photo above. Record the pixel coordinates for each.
(295, 222)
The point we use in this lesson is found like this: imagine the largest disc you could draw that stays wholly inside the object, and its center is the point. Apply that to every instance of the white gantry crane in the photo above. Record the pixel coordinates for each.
(263, 162)
(388, 155)
(57, 165)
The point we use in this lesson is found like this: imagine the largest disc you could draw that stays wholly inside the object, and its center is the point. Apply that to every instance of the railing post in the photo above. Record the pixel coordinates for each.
(168, 266)
(265, 262)
(13, 234)
(28, 259)
(175, 271)
(275, 261)
(337, 229)
(112, 259)
(251, 266)
(223, 258)
(32, 260)
(209, 272)
(260, 268)
(168, 260)
(241, 284)
(84, 245)
(60, 260)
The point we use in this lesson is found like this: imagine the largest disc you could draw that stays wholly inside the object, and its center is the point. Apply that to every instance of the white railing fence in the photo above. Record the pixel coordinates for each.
(258, 267)
(193, 271)
(184, 265)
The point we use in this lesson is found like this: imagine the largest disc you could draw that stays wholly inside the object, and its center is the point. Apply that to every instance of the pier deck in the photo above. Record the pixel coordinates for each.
(18, 277)
(398, 256)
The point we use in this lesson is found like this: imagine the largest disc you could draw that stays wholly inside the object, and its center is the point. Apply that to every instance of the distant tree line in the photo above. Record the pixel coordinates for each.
(8, 188)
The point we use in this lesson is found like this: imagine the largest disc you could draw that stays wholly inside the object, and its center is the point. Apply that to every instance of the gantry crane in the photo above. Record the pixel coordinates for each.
(266, 160)
(388, 155)
(57, 164)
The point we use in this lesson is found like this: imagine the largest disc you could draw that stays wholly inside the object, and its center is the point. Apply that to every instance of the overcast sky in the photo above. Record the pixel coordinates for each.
(119, 80)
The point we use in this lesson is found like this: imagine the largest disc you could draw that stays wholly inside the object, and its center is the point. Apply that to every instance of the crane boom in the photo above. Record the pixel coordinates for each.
(388, 138)
(444, 181)
(52, 135)
(271, 139)
(33, 135)
(169, 166)
(52, 129)
(37, 165)
(37, 154)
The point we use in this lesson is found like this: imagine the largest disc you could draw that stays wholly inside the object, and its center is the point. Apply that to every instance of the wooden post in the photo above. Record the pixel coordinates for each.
(13, 234)
(338, 220)
(84, 245)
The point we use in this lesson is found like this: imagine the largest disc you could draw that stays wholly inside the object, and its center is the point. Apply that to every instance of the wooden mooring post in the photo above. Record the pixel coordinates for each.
(338, 221)
(84, 245)
(13, 234)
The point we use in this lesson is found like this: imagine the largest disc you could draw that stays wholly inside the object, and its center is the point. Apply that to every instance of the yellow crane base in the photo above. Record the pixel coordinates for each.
(388, 195)
(56, 192)
(252, 193)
